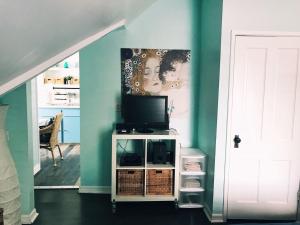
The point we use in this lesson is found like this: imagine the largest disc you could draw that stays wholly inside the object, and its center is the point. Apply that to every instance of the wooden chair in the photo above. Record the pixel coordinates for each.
(52, 130)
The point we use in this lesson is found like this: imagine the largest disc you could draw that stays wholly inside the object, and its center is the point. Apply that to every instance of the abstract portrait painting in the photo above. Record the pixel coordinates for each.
(158, 72)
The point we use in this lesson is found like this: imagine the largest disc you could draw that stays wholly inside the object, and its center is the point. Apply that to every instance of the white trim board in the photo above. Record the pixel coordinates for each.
(264, 33)
(36, 169)
(29, 218)
(21, 78)
(57, 187)
(213, 218)
(95, 189)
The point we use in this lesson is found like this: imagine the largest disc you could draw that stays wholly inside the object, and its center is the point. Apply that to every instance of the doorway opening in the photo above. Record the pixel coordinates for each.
(58, 93)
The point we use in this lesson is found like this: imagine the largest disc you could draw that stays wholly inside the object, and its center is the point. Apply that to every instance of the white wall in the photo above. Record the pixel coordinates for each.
(245, 15)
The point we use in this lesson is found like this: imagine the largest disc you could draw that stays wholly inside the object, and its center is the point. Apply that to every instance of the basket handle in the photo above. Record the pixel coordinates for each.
(158, 171)
(130, 172)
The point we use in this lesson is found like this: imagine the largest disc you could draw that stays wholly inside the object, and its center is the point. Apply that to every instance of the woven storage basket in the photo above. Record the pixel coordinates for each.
(130, 182)
(1, 216)
(160, 182)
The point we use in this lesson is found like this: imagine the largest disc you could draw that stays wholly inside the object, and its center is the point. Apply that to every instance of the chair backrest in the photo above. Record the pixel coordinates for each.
(55, 130)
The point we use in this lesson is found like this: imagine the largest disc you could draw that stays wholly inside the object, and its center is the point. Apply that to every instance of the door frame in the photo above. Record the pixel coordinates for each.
(234, 35)
(33, 128)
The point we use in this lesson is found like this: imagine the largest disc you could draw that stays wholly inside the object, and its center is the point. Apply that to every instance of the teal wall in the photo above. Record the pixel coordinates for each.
(166, 24)
(210, 47)
(169, 24)
(17, 127)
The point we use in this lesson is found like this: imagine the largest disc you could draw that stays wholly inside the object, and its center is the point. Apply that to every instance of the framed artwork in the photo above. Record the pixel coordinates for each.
(158, 72)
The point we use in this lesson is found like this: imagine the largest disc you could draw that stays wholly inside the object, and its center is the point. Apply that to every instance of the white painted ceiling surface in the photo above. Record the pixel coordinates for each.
(36, 34)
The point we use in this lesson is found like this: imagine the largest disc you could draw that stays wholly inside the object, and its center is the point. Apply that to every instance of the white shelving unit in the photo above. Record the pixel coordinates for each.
(142, 144)
(192, 178)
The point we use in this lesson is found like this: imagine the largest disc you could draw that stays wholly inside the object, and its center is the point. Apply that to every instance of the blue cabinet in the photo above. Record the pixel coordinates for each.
(70, 126)
(71, 129)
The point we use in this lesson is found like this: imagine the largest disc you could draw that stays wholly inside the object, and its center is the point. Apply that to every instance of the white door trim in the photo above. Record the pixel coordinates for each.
(29, 218)
(263, 33)
(234, 34)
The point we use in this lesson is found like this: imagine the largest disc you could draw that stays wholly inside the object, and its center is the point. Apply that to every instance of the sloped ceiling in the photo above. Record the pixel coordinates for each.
(35, 34)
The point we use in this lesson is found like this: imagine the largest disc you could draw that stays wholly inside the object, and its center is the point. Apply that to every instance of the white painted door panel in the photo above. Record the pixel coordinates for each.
(263, 174)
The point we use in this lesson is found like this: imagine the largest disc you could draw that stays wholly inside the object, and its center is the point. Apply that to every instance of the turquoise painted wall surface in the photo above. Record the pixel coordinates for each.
(210, 47)
(166, 24)
(17, 127)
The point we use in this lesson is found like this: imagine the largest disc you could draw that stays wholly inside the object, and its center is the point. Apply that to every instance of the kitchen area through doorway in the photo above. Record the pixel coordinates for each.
(58, 97)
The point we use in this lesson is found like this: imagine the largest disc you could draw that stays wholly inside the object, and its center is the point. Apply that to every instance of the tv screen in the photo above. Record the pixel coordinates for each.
(145, 112)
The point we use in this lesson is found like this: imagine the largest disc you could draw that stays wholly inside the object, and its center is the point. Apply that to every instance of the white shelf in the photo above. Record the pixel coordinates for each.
(65, 86)
(192, 153)
(130, 167)
(193, 173)
(149, 166)
(160, 166)
(141, 198)
(190, 205)
(157, 134)
(64, 70)
(183, 189)
(60, 106)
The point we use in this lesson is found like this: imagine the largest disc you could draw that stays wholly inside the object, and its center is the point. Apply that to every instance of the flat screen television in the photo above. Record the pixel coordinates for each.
(145, 113)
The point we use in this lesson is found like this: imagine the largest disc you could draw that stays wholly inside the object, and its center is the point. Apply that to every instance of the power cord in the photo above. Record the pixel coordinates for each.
(123, 148)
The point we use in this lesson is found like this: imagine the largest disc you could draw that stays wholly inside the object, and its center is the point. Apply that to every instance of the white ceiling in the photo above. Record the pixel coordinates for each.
(34, 31)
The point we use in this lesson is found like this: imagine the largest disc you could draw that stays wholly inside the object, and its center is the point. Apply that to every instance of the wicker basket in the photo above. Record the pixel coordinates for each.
(130, 182)
(160, 182)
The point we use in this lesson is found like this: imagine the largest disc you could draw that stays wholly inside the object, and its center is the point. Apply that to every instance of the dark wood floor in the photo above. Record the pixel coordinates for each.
(68, 207)
(66, 172)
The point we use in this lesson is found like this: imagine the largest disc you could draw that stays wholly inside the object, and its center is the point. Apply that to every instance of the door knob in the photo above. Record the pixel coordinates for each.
(236, 140)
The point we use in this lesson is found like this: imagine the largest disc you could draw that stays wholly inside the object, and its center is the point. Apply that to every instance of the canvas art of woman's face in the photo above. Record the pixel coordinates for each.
(158, 72)
(152, 83)
(179, 72)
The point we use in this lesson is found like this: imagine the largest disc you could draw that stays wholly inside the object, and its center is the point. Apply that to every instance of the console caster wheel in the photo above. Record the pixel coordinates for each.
(114, 207)
(176, 204)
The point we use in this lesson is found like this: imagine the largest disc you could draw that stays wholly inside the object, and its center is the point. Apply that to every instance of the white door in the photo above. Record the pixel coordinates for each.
(263, 173)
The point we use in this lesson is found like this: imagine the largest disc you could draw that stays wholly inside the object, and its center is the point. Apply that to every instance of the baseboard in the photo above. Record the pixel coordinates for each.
(207, 211)
(95, 189)
(217, 218)
(57, 187)
(213, 218)
(30, 218)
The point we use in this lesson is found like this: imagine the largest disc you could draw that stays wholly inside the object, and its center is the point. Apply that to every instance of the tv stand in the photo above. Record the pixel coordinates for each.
(145, 130)
(147, 180)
